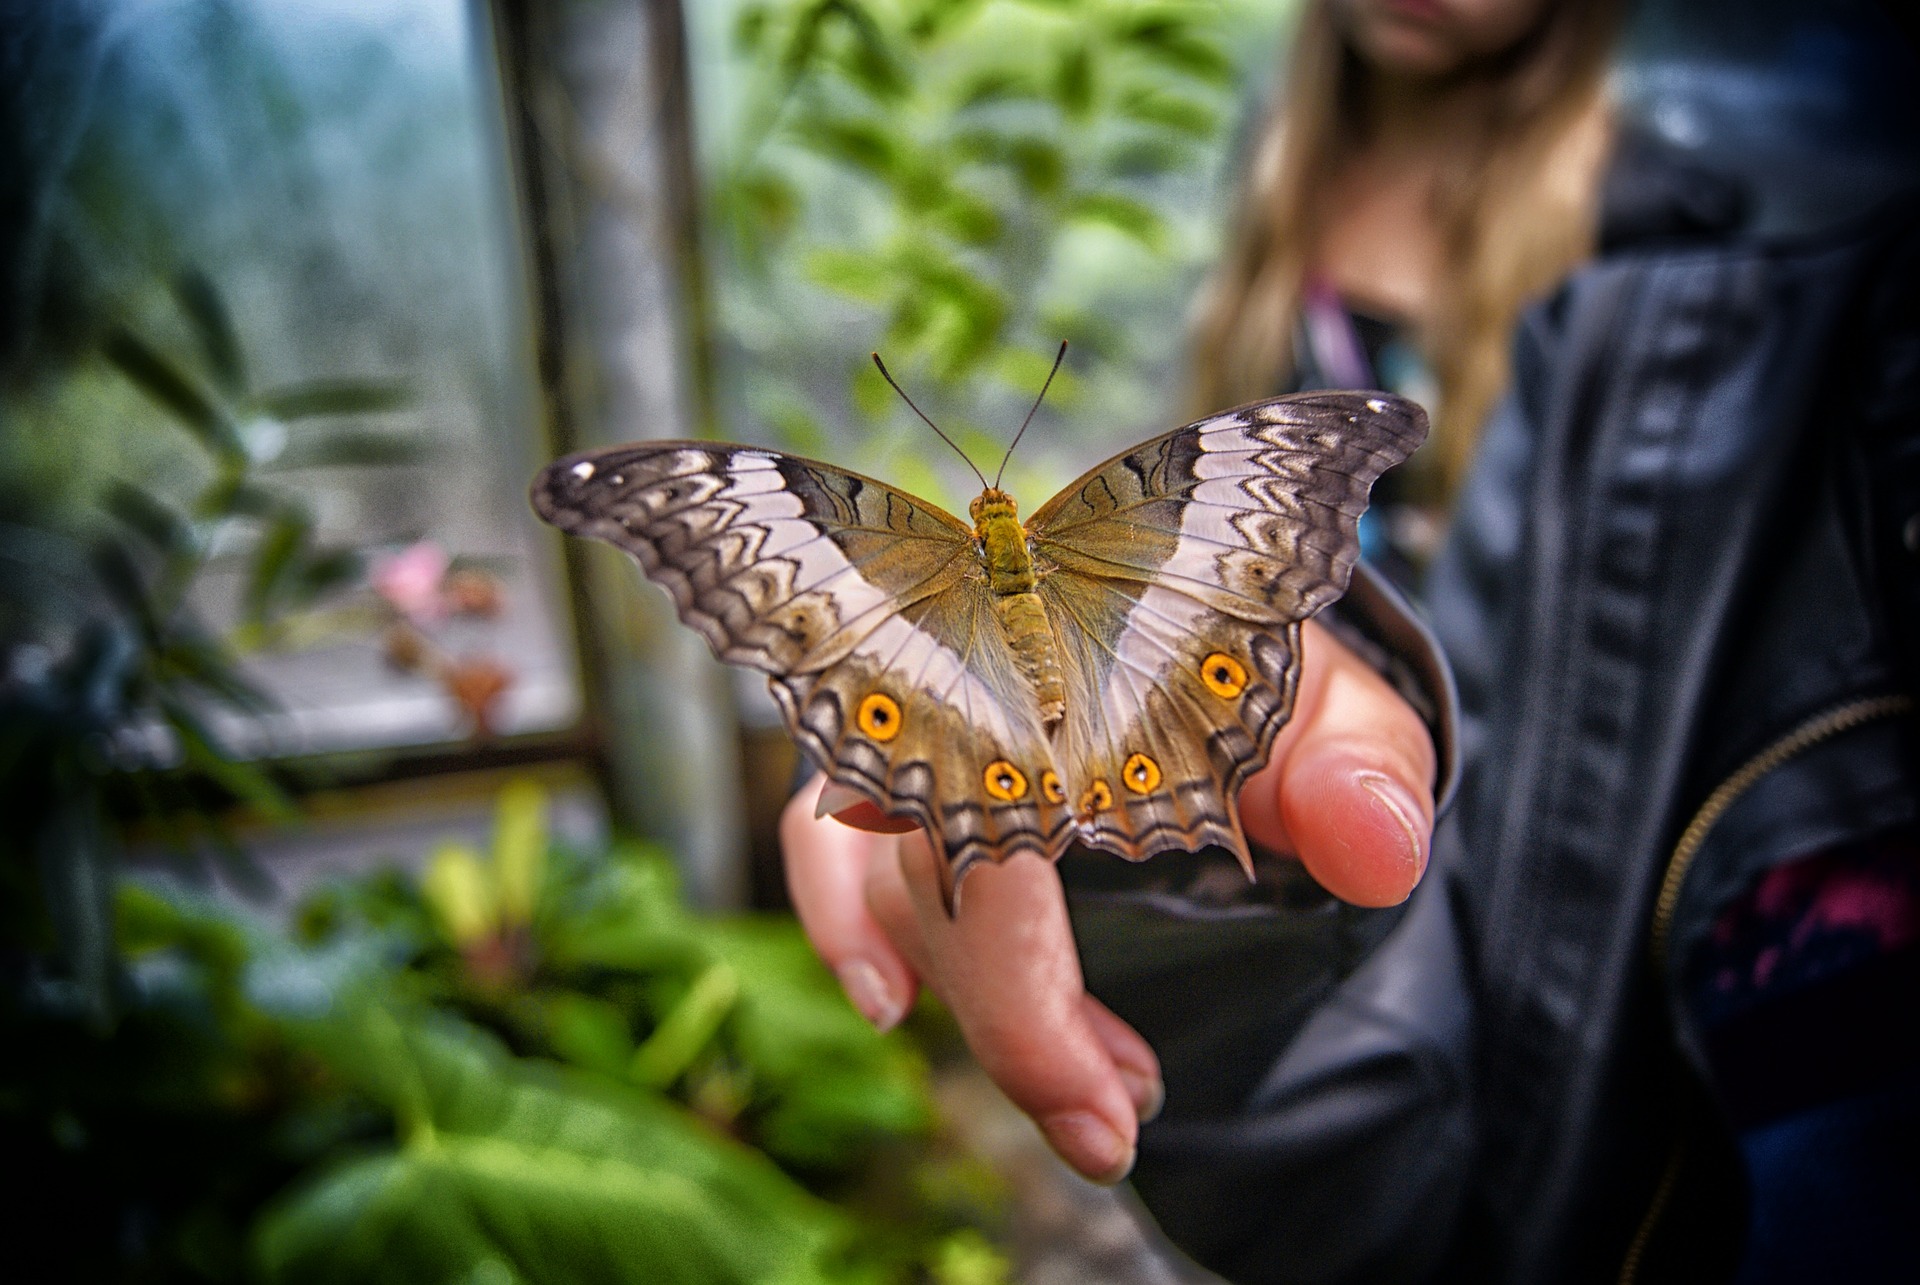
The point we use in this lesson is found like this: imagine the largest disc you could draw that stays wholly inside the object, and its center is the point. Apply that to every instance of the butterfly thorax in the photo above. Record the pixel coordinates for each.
(1003, 542)
(1009, 567)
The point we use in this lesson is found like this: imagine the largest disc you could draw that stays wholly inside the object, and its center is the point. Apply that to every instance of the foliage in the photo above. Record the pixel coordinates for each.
(526, 1070)
(598, 963)
(965, 183)
(115, 683)
(525, 1172)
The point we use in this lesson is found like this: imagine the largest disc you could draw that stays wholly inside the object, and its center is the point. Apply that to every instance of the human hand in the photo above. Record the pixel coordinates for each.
(1348, 789)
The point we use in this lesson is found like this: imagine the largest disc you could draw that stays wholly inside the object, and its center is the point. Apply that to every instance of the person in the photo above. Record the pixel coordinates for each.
(1679, 591)
(1428, 170)
(1395, 116)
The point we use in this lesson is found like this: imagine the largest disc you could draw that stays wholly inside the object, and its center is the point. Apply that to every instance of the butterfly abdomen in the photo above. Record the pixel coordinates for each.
(1030, 635)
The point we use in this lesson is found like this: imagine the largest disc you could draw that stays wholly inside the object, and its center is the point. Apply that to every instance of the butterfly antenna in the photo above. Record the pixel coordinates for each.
(1057, 359)
(929, 423)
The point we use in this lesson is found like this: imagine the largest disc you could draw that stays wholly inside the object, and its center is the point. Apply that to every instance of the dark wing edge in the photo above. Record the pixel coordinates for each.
(776, 561)
(1278, 510)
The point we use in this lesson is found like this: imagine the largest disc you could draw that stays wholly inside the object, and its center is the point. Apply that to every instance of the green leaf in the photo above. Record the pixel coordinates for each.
(589, 1032)
(248, 782)
(325, 572)
(845, 272)
(1073, 82)
(871, 65)
(348, 448)
(237, 497)
(546, 1175)
(274, 561)
(761, 205)
(159, 379)
(750, 27)
(858, 144)
(520, 849)
(1039, 164)
(968, 219)
(1025, 370)
(114, 567)
(464, 900)
(196, 659)
(153, 519)
(214, 327)
(871, 395)
(1147, 156)
(1174, 112)
(1124, 214)
(335, 397)
(968, 1258)
(687, 1029)
(997, 85)
(1177, 47)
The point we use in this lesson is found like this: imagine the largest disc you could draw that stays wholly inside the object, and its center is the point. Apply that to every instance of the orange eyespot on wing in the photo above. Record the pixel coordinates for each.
(879, 716)
(1050, 787)
(1098, 798)
(1141, 774)
(1005, 782)
(1224, 676)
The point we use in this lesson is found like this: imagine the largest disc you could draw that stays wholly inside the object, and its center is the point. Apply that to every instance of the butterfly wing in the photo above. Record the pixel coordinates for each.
(1176, 576)
(866, 607)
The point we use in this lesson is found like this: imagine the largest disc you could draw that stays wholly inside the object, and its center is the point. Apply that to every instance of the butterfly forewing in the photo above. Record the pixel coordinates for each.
(782, 564)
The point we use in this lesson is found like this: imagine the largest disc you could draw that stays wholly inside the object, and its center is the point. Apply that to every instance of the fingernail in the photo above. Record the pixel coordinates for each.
(1405, 811)
(1147, 1092)
(870, 994)
(1089, 1144)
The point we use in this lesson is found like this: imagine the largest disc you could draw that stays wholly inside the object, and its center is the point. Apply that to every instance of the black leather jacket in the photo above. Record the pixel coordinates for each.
(1682, 599)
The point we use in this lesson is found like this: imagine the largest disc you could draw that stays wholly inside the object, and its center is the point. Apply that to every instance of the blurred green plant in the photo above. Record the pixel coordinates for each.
(385, 1091)
(703, 1057)
(599, 964)
(965, 183)
(114, 682)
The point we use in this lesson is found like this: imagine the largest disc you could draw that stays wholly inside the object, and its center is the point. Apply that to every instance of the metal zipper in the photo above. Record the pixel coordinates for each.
(1821, 727)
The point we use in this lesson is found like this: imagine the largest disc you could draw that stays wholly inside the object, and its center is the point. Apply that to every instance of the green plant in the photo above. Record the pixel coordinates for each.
(116, 683)
(510, 1170)
(964, 183)
(383, 1090)
(590, 976)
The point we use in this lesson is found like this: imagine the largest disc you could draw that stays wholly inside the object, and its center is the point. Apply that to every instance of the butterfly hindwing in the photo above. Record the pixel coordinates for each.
(961, 747)
(1176, 576)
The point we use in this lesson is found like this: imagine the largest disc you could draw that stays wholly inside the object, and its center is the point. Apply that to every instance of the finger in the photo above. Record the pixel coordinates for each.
(1349, 788)
(826, 865)
(1006, 967)
(1133, 1058)
(1138, 1065)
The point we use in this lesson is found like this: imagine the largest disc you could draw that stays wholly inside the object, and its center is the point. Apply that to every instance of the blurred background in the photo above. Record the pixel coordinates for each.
(389, 891)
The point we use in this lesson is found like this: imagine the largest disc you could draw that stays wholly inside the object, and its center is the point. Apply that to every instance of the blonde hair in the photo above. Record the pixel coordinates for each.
(1513, 220)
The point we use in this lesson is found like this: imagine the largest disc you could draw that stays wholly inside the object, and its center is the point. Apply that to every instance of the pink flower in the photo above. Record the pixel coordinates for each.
(410, 581)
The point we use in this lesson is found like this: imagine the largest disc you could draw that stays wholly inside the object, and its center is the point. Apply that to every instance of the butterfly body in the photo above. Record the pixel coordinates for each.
(1008, 562)
(1109, 671)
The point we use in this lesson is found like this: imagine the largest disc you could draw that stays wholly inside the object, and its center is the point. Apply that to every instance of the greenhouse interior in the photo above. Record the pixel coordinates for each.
(397, 890)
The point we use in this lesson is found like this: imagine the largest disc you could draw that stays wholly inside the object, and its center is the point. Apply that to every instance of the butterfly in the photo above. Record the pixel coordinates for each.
(1108, 672)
